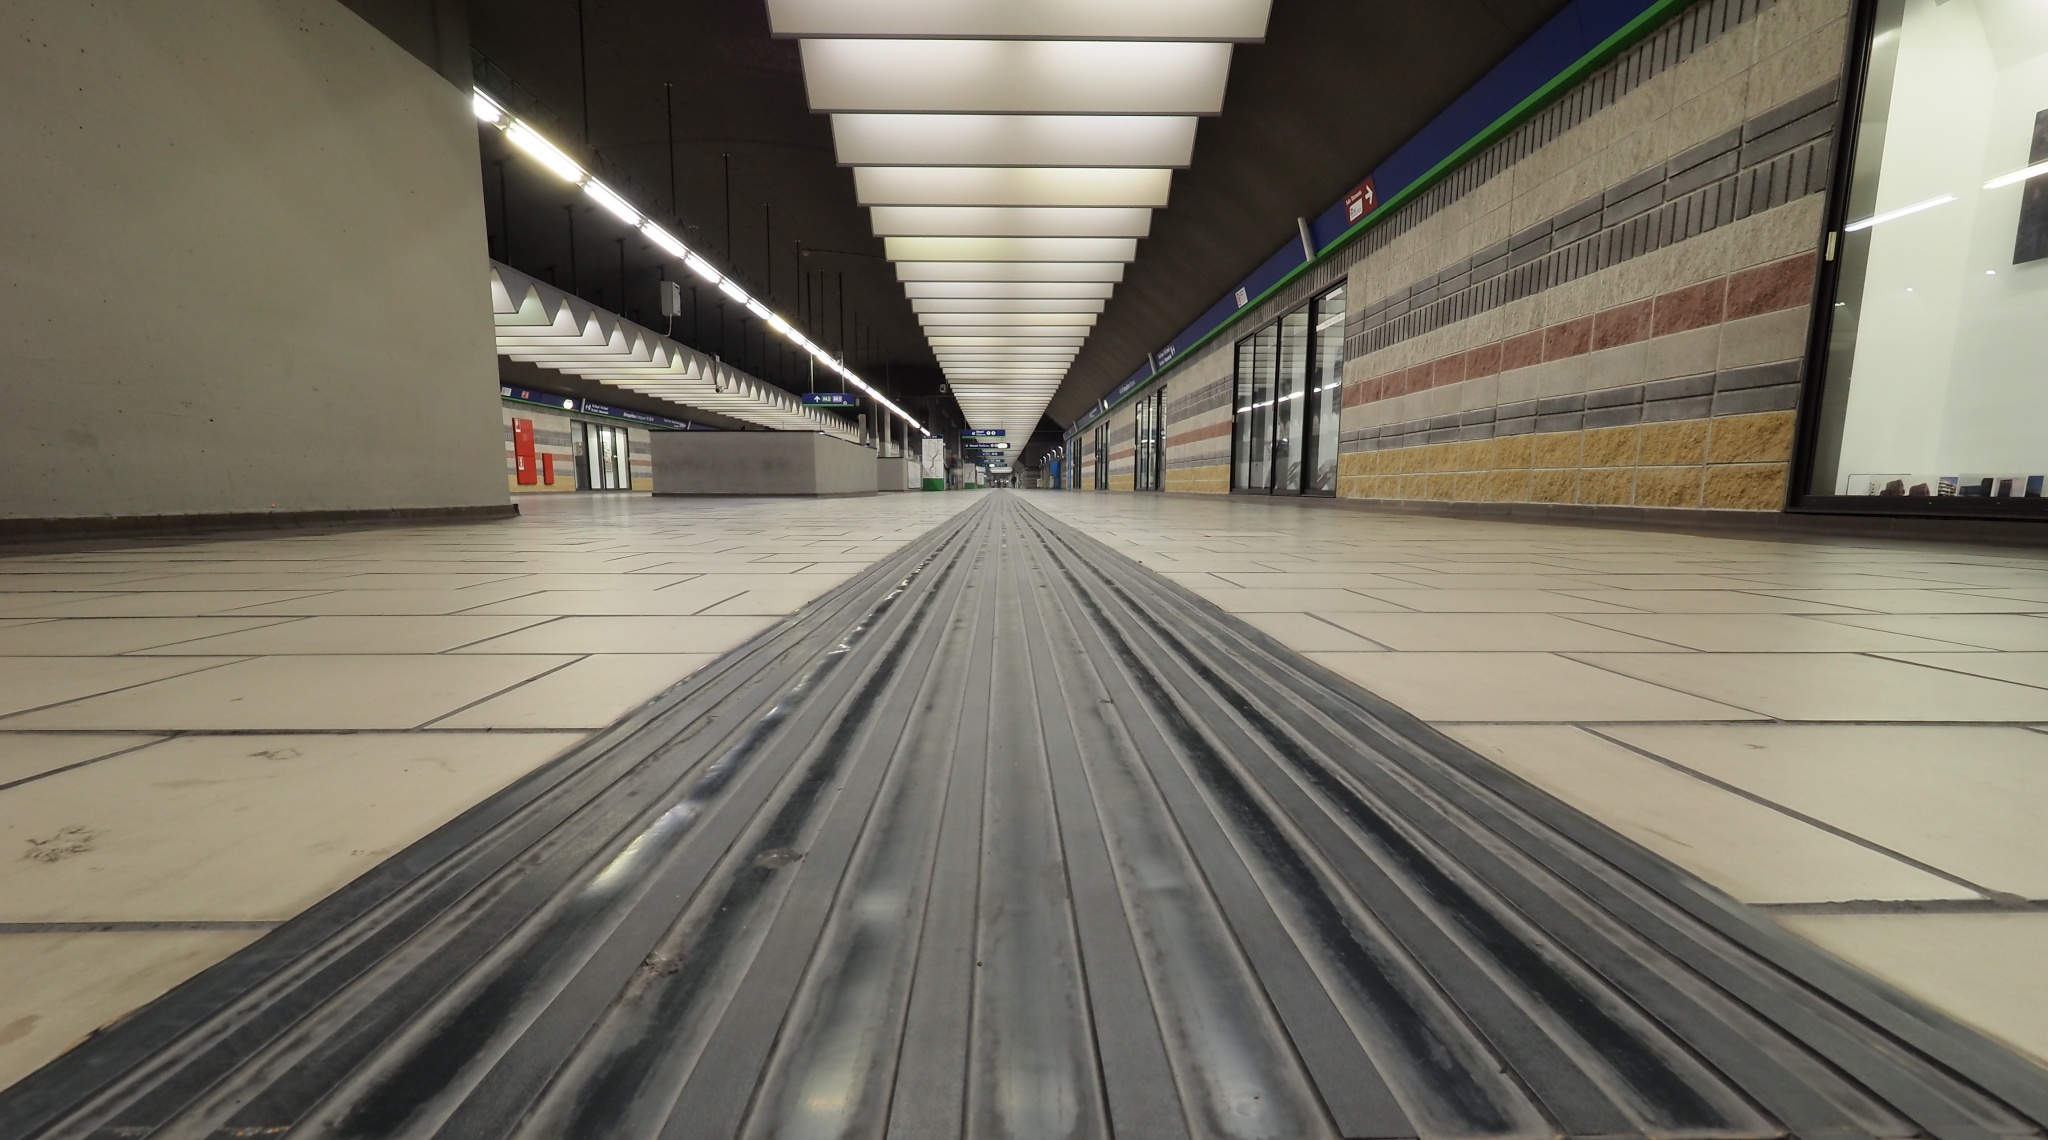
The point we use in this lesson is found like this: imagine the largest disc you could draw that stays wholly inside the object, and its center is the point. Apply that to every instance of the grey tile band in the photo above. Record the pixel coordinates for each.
(1778, 157)
(1736, 391)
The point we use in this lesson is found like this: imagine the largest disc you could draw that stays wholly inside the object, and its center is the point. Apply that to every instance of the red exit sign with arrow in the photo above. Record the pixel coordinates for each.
(1361, 201)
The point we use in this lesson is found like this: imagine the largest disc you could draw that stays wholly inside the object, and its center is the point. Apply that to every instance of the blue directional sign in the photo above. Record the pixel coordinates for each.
(833, 399)
(983, 433)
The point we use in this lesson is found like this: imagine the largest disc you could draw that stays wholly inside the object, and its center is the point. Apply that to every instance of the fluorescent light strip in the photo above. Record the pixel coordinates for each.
(1894, 215)
(617, 206)
(519, 134)
(2031, 172)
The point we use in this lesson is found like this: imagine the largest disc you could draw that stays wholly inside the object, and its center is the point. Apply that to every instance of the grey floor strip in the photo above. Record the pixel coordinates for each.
(1010, 837)
(133, 927)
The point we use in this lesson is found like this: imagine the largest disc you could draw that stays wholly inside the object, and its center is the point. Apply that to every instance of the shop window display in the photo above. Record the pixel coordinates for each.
(1935, 382)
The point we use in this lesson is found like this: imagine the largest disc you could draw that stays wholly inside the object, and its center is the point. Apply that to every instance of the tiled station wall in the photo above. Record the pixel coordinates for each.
(1607, 306)
(1123, 453)
(551, 437)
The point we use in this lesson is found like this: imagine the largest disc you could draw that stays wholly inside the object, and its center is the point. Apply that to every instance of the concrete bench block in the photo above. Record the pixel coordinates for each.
(761, 463)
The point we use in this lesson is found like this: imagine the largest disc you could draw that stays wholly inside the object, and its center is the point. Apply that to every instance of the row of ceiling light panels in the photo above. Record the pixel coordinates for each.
(1011, 153)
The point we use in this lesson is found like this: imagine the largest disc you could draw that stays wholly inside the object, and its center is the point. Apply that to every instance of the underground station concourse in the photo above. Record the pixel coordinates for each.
(1024, 569)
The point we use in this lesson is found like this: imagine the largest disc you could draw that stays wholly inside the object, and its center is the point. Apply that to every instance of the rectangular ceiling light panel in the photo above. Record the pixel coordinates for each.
(1005, 305)
(1026, 376)
(1014, 140)
(1003, 356)
(940, 320)
(1036, 332)
(998, 357)
(1010, 186)
(1005, 361)
(1239, 20)
(1017, 77)
(973, 291)
(1005, 352)
(1045, 375)
(1011, 221)
(999, 249)
(1003, 342)
(1004, 271)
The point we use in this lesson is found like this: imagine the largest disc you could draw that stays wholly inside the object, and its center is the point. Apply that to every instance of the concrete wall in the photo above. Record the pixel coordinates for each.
(760, 463)
(896, 473)
(1608, 306)
(242, 257)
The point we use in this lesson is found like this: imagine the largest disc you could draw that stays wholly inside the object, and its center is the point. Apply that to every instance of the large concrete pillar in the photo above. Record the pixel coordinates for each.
(244, 267)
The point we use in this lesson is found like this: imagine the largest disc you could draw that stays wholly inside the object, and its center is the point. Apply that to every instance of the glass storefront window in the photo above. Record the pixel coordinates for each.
(1936, 379)
(1289, 386)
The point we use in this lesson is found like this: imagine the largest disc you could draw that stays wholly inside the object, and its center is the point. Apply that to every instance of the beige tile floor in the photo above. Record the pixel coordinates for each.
(200, 739)
(1852, 735)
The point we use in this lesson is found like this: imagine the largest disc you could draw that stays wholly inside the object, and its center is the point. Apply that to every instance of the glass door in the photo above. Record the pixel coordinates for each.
(1290, 403)
(1256, 355)
(603, 458)
(614, 458)
(1290, 396)
(1326, 392)
(1151, 442)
